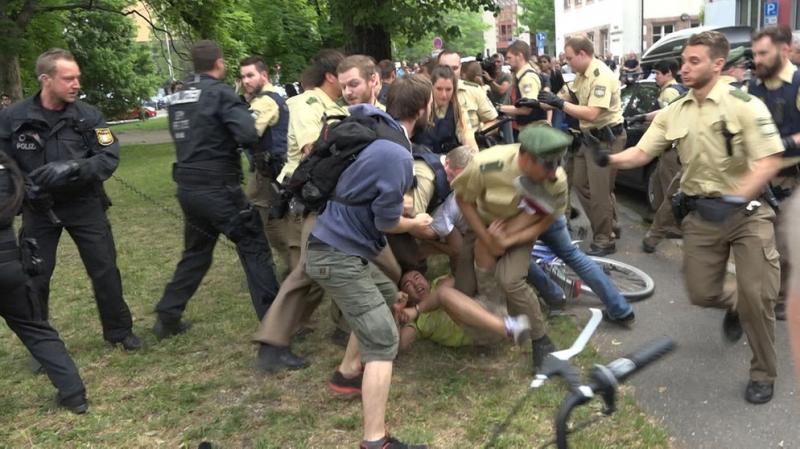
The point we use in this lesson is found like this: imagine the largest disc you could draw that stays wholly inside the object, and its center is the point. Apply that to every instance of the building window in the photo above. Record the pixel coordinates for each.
(578, 3)
(749, 13)
(660, 31)
(567, 4)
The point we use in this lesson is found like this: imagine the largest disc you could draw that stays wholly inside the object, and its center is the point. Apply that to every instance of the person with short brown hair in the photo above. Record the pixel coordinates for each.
(776, 82)
(67, 151)
(358, 78)
(349, 236)
(209, 122)
(599, 112)
(730, 148)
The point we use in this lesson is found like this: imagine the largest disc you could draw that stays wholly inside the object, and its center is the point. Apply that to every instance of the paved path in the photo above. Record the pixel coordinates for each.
(698, 391)
(144, 137)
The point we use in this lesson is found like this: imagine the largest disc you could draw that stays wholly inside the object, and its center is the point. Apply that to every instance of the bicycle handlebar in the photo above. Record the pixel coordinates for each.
(606, 379)
(625, 367)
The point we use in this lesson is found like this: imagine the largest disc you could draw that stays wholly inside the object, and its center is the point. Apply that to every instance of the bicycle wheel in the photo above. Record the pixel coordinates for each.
(633, 283)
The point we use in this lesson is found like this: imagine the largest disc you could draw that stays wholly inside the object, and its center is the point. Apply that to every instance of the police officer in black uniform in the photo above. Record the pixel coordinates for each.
(66, 150)
(20, 308)
(208, 121)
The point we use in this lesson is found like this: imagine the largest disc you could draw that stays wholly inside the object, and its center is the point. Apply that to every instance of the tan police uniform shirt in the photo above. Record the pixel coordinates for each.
(266, 113)
(488, 181)
(424, 190)
(784, 77)
(668, 94)
(305, 123)
(598, 87)
(708, 170)
(475, 102)
(529, 83)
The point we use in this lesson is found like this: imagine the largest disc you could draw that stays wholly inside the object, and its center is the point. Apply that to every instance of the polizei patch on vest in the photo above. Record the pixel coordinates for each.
(599, 91)
(27, 142)
(104, 136)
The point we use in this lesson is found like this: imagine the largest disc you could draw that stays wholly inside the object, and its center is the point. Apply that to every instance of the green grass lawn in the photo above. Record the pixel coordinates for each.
(201, 385)
(153, 124)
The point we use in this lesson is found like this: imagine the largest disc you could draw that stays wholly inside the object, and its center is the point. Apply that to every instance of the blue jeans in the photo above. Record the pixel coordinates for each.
(557, 238)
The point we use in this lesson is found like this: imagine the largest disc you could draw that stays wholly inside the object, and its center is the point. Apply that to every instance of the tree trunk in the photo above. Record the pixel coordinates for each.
(369, 40)
(10, 80)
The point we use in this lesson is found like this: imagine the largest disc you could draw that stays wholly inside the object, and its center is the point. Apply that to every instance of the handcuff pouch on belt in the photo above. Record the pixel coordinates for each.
(29, 256)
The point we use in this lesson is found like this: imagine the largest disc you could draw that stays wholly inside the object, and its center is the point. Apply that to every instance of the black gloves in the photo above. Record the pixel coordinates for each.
(792, 149)
(638, 118)
(526, 103)
(55, 174)
(551, 99)
(600, 156)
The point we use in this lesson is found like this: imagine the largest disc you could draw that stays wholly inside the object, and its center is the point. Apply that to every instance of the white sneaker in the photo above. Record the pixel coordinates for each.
(518, 328)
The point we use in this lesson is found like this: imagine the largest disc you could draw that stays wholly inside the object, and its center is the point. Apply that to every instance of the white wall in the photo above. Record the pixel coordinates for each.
(490, 35)
(672, 8)
(720, 13)
(601, 13)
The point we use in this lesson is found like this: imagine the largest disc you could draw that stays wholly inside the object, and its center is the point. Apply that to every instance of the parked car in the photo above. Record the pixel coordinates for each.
(671, 46)
(138, 113)
(639, 98)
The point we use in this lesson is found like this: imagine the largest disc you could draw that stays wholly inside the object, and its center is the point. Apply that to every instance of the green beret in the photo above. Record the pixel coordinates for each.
(735, 56)
(544, 141)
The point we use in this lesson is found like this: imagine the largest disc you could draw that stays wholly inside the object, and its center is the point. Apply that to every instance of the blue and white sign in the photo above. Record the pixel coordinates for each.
(771, 11)
(541, 38)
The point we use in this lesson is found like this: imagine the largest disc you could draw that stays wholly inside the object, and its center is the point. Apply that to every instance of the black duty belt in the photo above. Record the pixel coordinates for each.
(199, 178)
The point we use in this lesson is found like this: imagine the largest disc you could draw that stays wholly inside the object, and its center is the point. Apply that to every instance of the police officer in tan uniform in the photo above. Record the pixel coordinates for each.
(735, 68)
(777, 84)
(668, 167)
(471, 96)
(271, 118)
(526, 88)
(600, 115)
(486, 192)
(730, 148)
(299, 295)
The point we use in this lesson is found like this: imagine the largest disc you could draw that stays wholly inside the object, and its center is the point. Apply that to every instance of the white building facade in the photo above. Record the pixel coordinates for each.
(622, 26)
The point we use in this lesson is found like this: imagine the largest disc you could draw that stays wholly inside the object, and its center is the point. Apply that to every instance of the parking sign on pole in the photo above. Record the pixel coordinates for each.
(771, 12)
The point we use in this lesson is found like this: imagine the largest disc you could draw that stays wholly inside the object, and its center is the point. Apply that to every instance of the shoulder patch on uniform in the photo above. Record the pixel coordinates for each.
(104, 136)
(492, 166)
(312, 100)
(679, 97)
(597, 72)
(740, 94)
(766, 126)
(599, 91)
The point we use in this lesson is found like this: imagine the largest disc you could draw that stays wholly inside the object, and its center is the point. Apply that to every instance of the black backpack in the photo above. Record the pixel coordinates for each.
(314, 181)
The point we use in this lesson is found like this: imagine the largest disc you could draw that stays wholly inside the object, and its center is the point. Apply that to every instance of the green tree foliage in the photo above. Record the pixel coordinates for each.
(460, 30)
(117, 73)
(540, 16)
(289, 34)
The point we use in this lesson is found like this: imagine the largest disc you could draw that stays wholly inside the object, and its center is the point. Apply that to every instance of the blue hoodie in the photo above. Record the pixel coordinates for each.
(373, 186)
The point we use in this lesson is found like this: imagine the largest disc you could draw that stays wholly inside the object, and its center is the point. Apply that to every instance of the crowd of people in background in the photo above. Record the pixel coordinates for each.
(472, 159)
